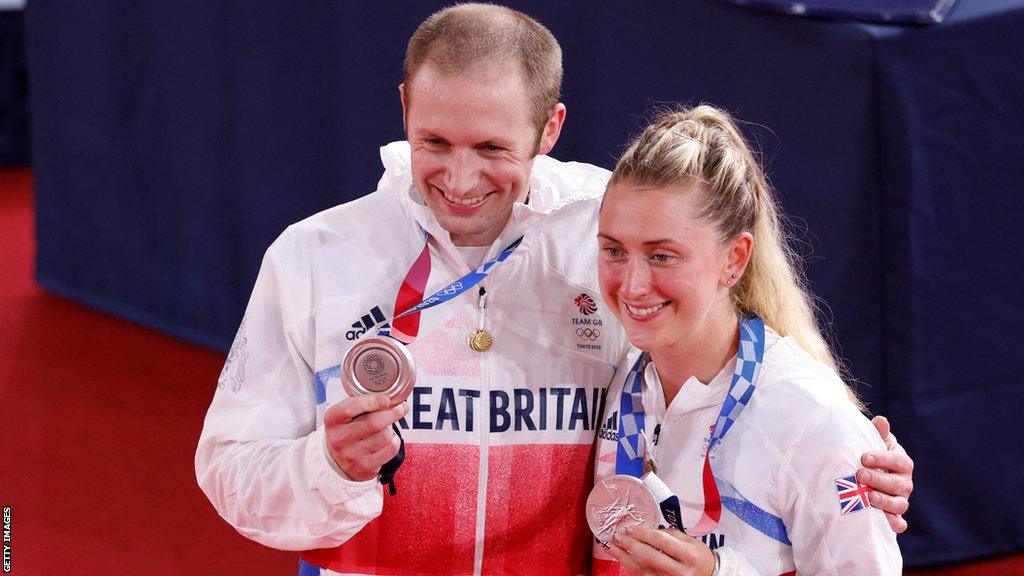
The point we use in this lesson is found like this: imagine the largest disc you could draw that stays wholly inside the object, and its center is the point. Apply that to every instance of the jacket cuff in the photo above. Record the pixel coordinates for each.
(732, 563)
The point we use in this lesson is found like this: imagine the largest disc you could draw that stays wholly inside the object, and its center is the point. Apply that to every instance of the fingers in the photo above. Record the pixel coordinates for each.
(647, 550)
(888, 503)
(882, 425)
(688, 552)
(894, 460)
(350, 408)
(361, 416)
(361, 460)
(890, 472)
(897, 523)
(389, 448)
(379, 440)
(628, 563)
(642, 558)
(886, 483)
(672, 543)
(885, 432)
(359, 436)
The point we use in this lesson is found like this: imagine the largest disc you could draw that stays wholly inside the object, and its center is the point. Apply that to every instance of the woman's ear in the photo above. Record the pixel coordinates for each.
(736, 259)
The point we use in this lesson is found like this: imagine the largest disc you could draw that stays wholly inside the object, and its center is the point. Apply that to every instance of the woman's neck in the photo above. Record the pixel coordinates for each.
(701, 355)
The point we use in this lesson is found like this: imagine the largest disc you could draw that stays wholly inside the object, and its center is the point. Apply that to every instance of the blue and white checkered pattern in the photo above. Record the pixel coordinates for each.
(748, 362)
(629, 458)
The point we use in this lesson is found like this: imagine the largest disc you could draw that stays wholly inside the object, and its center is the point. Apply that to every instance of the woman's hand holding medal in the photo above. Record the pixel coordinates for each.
(645, 550)
(359, 436)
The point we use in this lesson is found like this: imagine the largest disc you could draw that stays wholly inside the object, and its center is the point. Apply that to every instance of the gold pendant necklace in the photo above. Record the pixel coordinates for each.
(480, 340)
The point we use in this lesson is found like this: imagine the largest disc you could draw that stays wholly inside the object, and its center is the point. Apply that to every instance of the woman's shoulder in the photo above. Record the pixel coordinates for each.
(798, 396)
(791, 372)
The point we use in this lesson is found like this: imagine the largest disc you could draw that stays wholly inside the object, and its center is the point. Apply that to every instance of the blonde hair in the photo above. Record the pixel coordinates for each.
(703, 145)
(463, 36)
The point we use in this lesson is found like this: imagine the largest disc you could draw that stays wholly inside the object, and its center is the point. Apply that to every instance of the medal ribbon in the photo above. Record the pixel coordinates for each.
(405, 328)
(631, 453)
(406, 323)
(749, 357)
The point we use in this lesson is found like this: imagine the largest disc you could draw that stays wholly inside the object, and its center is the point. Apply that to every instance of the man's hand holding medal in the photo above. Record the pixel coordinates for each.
(359, 434)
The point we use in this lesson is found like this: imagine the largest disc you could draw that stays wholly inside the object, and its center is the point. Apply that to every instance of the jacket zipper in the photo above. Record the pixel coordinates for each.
(485, 432)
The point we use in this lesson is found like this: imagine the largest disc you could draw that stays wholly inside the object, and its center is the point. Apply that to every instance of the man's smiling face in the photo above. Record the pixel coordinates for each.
(473, 146)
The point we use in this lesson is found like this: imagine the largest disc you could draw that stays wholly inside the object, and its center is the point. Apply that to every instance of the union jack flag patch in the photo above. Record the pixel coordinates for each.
(853, 495)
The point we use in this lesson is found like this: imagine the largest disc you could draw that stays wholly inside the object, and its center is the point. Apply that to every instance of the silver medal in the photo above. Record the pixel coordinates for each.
(618, 503)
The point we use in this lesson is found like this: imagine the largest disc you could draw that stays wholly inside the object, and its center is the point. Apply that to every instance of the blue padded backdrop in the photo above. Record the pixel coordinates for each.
(14, 138)
(173, 141)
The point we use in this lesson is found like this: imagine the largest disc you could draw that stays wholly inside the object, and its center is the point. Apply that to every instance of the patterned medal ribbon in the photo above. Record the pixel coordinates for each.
(630, 453)
(748, 360)
(409, 302)
(405, 326)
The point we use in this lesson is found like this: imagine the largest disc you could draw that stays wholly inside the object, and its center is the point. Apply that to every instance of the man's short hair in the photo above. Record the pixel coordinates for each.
(461, 37)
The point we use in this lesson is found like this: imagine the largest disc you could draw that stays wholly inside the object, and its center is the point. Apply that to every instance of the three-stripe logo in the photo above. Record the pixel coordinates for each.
(610, 429)
(367, 321)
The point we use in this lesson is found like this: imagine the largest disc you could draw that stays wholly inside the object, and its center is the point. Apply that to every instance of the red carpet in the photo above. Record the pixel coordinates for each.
(100, 419)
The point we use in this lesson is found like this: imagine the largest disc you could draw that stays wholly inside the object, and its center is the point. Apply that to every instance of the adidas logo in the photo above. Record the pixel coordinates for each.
(610, 429)
(368, 321)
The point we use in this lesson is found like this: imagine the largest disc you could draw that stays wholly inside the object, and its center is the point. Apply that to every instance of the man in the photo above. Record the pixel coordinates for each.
(499, 440)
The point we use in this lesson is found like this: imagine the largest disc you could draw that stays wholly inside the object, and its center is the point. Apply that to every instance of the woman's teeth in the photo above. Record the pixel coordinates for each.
(641, 312)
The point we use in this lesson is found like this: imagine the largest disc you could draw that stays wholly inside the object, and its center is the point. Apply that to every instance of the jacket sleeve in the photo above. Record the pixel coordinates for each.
(732, 563)
(831, 535)
(261, 460)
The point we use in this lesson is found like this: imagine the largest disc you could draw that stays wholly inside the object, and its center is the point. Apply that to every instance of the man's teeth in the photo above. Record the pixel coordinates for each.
(640, 312)
(464, 201)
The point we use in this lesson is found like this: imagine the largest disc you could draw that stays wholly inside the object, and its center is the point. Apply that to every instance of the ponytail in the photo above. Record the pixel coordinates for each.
(704, 145)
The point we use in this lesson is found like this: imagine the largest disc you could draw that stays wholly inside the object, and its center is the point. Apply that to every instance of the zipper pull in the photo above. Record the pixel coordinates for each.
(650, 445)
(480, 340)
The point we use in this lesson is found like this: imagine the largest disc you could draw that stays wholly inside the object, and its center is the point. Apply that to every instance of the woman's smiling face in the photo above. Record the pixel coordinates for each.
(662, 269)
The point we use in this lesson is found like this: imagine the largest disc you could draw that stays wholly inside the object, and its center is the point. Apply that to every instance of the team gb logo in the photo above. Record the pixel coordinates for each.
(586, 304)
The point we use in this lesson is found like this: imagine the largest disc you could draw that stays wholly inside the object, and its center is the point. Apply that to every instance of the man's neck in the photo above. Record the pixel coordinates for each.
(471, 241)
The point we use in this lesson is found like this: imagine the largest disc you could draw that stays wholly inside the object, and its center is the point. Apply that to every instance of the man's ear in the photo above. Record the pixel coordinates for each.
(405, 107)
(552, 129)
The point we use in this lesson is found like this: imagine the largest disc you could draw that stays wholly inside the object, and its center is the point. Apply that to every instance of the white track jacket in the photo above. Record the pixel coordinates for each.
(499, 443)
(796, 439)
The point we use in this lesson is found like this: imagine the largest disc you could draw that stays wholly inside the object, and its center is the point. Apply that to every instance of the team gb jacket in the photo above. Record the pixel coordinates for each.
(784, 470)
(499, 443)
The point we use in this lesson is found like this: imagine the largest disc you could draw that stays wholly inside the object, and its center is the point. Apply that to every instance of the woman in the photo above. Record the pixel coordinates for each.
(695, 265)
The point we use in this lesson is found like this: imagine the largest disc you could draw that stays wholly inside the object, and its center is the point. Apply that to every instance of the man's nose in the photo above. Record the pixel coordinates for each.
(636, 280)
(463, 173)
